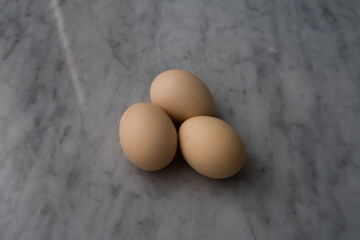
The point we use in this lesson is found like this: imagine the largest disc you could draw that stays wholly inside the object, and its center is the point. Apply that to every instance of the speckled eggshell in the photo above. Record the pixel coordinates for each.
(211, 147)
(182, 95)
(147, 136)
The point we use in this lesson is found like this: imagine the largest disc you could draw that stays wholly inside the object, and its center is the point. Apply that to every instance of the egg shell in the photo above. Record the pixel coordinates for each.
(147, 136)
(211, 147)
(182, 95)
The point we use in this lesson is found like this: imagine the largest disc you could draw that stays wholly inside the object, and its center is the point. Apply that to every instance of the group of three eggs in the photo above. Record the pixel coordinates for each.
(149, 138)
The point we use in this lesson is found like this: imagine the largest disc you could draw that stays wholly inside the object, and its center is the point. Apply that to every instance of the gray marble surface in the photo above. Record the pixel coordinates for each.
(284, 73)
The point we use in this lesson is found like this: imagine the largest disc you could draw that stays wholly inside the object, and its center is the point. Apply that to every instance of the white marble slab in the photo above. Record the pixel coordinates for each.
(284, 73)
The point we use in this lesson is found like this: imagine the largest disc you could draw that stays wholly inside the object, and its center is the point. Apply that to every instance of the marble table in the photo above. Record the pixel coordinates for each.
(284, 73)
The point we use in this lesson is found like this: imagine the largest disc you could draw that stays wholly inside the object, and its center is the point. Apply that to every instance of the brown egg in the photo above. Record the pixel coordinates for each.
(211, 147)
(182, 95)
(147, 136)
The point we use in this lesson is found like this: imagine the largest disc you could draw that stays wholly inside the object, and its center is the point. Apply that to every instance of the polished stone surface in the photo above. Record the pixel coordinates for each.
(284, 73)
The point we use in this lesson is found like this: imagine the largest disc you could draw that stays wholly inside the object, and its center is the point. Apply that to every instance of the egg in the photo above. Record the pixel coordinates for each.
(211, 147)
(147, 136)
(182, 95)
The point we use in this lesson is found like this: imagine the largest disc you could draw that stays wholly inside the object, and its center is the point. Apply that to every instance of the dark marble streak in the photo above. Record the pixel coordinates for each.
(284, 73)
